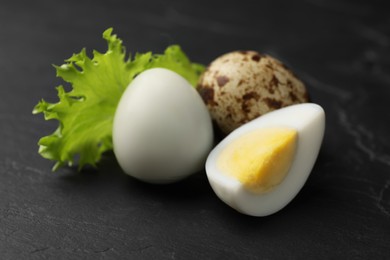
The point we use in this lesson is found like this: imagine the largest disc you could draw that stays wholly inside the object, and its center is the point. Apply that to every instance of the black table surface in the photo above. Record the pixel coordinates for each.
(340, 49)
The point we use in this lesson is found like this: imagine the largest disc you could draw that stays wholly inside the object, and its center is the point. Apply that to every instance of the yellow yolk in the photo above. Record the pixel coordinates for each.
(260, 159)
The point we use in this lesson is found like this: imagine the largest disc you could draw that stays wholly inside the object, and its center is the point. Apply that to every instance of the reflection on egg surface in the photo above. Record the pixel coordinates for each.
(261, 166)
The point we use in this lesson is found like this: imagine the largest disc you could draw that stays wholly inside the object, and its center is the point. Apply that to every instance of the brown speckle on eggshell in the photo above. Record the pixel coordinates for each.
(242, 85)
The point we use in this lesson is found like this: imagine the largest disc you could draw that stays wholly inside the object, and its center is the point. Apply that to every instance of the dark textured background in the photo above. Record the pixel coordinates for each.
(339, 48)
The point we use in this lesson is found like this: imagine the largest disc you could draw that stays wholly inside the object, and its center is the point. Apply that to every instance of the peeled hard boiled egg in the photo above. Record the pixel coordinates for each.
(162, 130)
(261, 166)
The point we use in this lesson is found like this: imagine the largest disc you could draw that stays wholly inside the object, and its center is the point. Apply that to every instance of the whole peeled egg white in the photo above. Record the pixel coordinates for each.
(162, 130)
(261, 166)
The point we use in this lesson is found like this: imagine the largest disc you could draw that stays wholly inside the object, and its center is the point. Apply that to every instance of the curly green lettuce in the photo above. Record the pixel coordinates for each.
(85, 113)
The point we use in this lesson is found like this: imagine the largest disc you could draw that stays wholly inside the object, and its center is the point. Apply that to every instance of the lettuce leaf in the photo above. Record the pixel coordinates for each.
(85, 113)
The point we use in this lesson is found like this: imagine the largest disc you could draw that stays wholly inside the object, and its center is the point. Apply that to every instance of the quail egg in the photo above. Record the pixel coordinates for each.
(242, 85)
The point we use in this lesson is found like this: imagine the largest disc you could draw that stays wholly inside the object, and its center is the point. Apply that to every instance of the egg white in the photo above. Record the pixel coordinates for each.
(308, 120)
(162, 131)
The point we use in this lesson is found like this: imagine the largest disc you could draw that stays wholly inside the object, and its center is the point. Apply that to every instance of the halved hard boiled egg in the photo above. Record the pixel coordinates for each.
(261, 166)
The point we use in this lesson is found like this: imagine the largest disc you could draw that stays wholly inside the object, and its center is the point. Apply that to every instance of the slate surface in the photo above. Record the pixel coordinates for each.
(339, 48)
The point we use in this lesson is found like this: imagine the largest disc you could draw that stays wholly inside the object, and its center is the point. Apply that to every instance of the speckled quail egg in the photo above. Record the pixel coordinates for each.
(242, 85)
(261, 166)
(162, 130)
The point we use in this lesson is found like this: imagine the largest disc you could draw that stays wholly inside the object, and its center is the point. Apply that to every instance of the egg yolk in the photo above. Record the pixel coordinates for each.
(260, 159)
